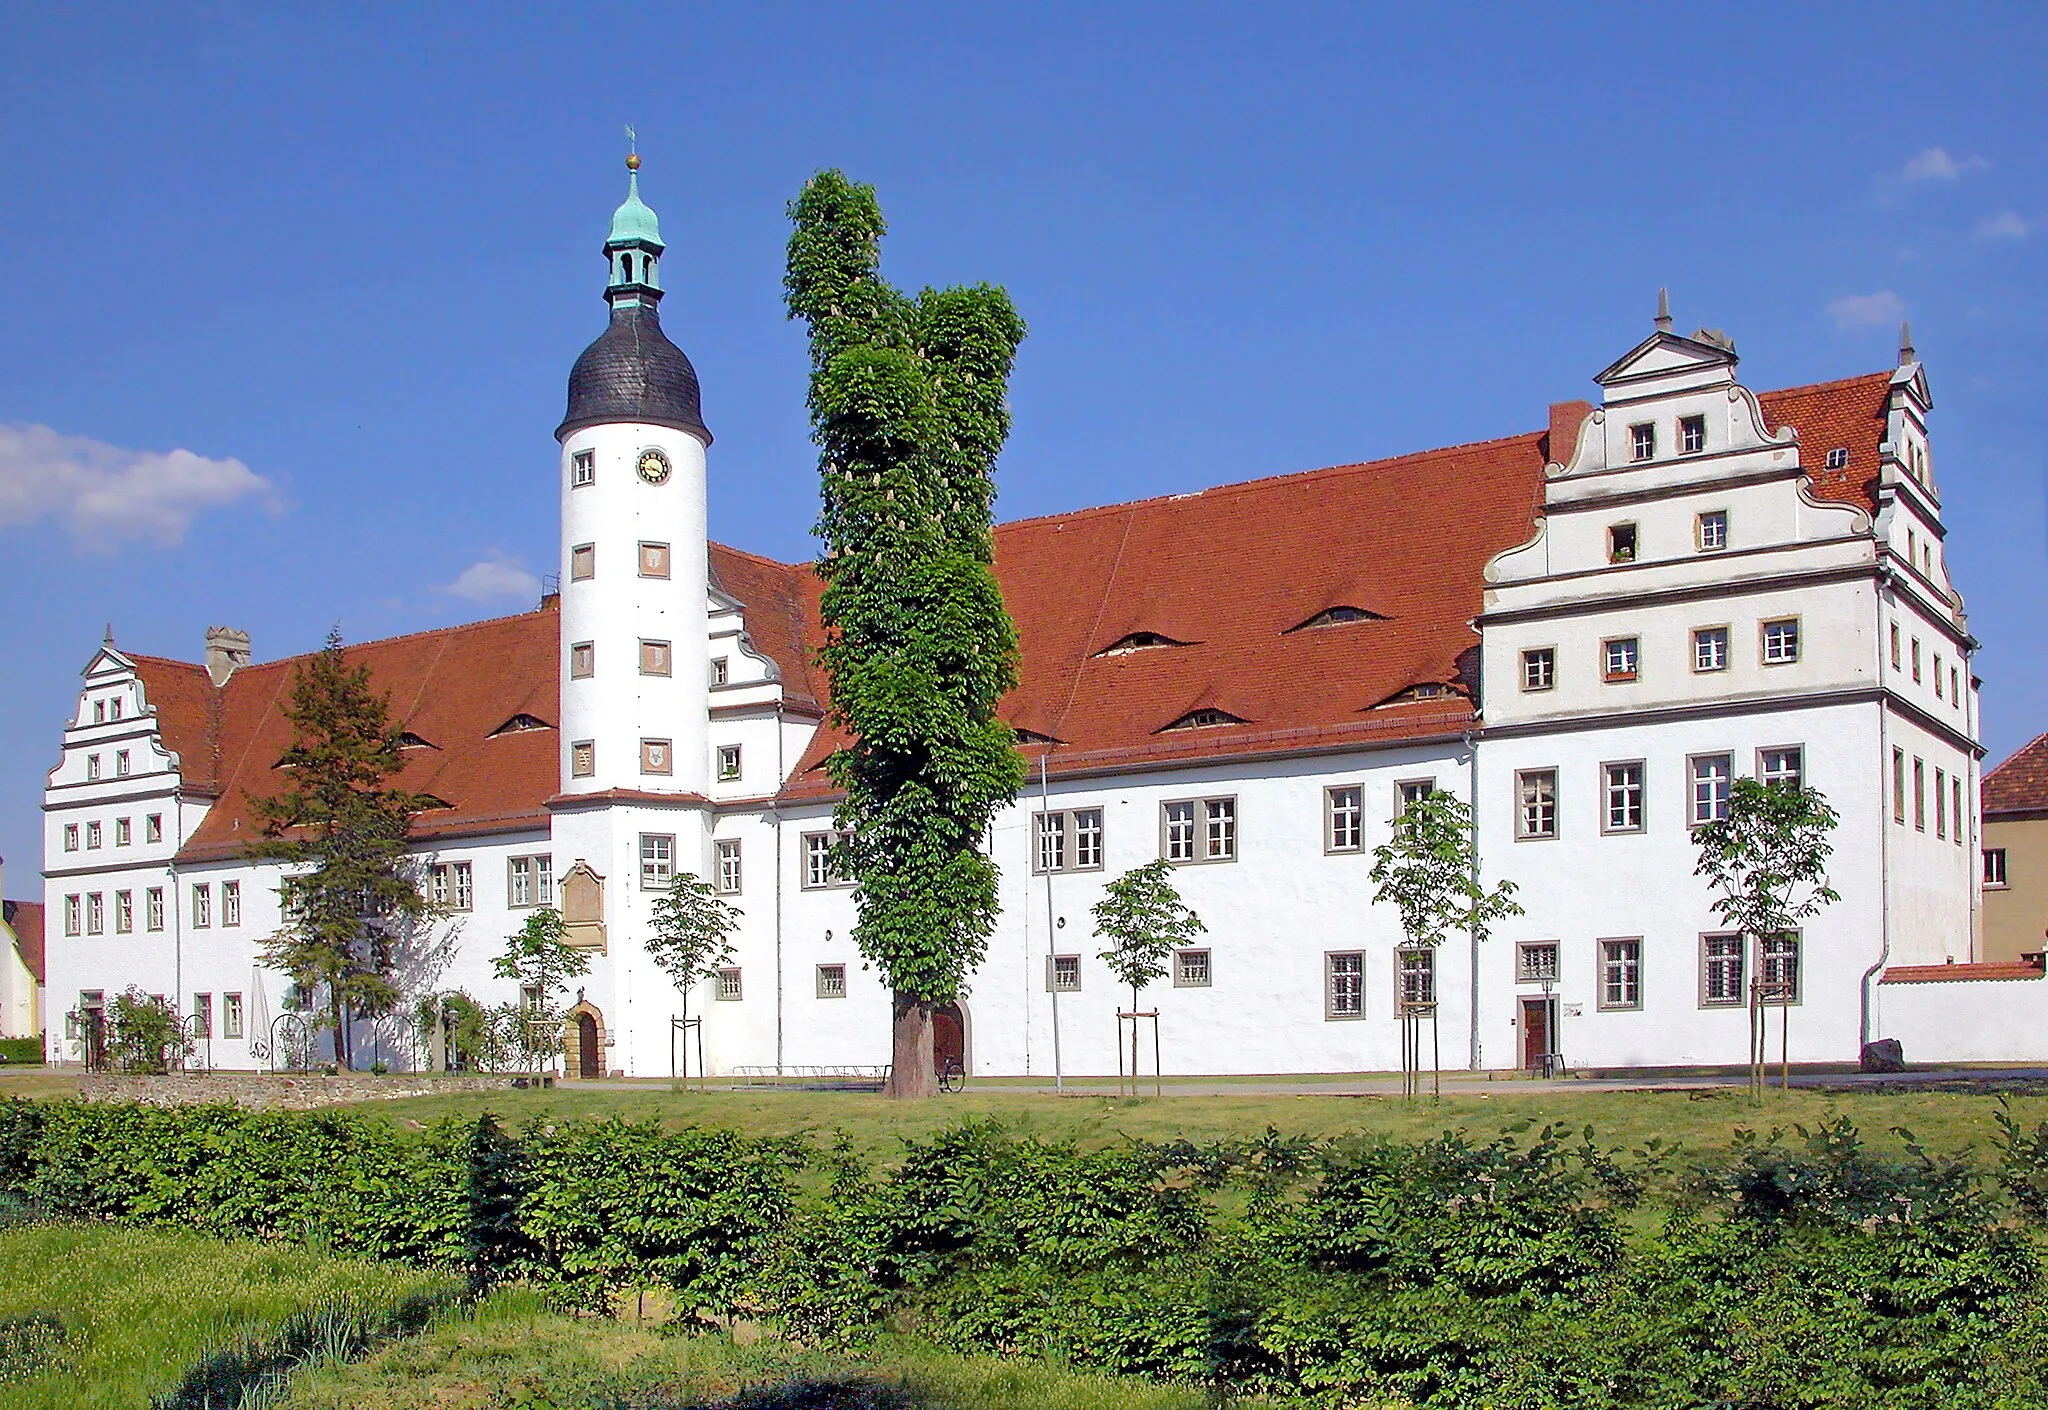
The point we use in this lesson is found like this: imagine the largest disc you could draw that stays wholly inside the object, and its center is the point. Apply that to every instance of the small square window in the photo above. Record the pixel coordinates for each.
(582, 661)
(1344, 814)
(1536, 961)
(831, 981)
(1621, 974)
(1620, 658)
(583, 759)
(729, 990)
(657, 861)
(1344, 984)
(1781, 642)
(657, 756)
(653, 560)
(1692, 434)
(1539, 668)
(1710, 531)
(582, 469)
(1063, 974)
(1838, 458)
(1536, 815)
(656, 659)
(721, 673)
(1621, 543)
(153, 828)
(728, 762)
(1994, 866)
(1710, 649)
(1642, 441)
(582, 562)
(729, 866)
(1191, 969)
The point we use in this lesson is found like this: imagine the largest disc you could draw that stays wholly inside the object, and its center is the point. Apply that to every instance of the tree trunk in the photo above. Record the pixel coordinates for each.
(910, 1055)
(340, 1011)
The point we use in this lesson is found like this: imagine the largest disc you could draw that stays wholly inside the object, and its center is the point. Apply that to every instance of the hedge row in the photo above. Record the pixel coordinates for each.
(1801, 1271)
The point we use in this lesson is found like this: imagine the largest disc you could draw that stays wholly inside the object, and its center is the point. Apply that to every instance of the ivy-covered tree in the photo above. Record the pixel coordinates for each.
(1768, 857)
(690, 934)
(543, 963)
(348, 893)
(908, 406)
(1428, 872)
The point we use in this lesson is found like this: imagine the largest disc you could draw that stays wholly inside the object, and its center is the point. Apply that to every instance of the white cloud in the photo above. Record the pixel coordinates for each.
(2006, 226)
(495, 579)
(1853, 312)
(106, 495)
(1935, 164)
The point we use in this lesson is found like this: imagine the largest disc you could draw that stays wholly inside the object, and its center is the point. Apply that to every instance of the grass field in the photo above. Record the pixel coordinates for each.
(139, 1306)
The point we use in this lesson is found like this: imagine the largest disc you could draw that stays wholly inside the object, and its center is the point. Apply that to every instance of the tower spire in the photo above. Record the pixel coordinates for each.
(1907, 353)
(634, 246)
(1663, 310)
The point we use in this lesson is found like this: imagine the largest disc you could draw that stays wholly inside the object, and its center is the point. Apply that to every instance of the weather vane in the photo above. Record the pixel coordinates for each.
(632, 148)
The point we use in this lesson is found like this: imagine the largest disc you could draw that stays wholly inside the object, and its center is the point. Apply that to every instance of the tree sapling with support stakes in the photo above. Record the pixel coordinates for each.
(690, 938)
(1145, 920)
(543, 962)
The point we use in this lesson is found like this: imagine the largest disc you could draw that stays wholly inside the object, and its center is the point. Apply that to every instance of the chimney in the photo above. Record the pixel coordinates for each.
(226, 648)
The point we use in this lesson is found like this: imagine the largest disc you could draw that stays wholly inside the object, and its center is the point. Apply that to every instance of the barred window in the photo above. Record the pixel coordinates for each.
(1344, 984)
(1621, 974)
(1536, 961)
(1415, 972)
(729, 990)
(1191, 969)
(1063, 974)
(831, 981)
(1779, 969)
(1721, 969)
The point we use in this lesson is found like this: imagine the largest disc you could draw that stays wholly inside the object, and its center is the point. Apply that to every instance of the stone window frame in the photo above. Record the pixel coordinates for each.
(1413, 963)
(1784, 626)
(1062, 974)
(728, 871)
(1642, 797)
(1528, 969)
(656, 869)
(1546, 826)
(728, 984)
(1692, 435)
(582, 469)
(231, 1015)
(1201, 822)
(830, 981)
(657, 657)
(1693, 779)
(655, 559)
(153, 828)
(1194, 968)
(1546, 658)
(153, 910)
(729, 763)
(1713, 631)
(1719, 949)
(658, 757)
(1642, 441)
(1606, 961)
(1075, 833)
(582, 562)
(583, 758)
(230, 904)
(1349, 815)
(1766, 773)
(1625, 542)
(1344, 994)
(1612, 674)
(582, 660)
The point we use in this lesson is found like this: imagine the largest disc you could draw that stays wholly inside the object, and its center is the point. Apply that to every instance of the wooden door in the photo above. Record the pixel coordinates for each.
(589, 1061)
(949, 1039)
(1535, 1032)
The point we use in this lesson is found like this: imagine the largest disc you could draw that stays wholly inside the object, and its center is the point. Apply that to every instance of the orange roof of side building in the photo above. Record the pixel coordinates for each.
(1232, 576)
(2019, 786)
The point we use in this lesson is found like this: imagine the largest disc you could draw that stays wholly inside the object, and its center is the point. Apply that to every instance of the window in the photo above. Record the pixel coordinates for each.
(831, 981)
(1407, 795)
(728, 990)
(1912, 549)
(583, 759)
(1956, 811)
(529, 997)
(1838, 458)
(728, 849)
(71, 915)
(202, 1015)
(1063, 974)
(653, 560)
(1190, 969)
(122, 835)
(1539, 668)
(1068, 841)
(114, 708)
(1781, 641)
(1536, 815)
(153, 909)
(1720, 969)
(153, 828)
(1895, 646)
(1898, 785)
(1920, 794)
(1536, 961)
(1710, 649)
(582, 469)
(1784, 766)
(657, 756)
(1916, 660)
(1710, 531)
(1712, 777)
(657, 861)
(656, 659)
(1216, 841)
(1344, 984)
(92, 836)
(1344, 815)
(721, 673)
(202, 905)
(1994, 866)
(231, 1015)
(530, 881)
(123, 765)
(1779, 969)
(1621, 974)
(95, 913)
(1621, 658)
(1624, 783)
(582, 562)
(71, 837)
(582, 661)
(92, 767)
(728, 762)
(230, 903)
(1692, 434)
(449, 886)
(1642, 441)
(821, 863)
(99, 712)
(1955, 686)
(1621, 543)
(1941, 804)
(1415, 977)
(1937, 675)
(124, 912)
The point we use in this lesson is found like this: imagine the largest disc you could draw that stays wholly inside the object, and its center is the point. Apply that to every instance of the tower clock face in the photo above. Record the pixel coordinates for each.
(653, 466)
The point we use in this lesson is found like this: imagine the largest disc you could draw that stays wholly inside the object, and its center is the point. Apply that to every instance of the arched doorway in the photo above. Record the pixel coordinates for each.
(949, 1038)
(583, 1041)
(589, 1061)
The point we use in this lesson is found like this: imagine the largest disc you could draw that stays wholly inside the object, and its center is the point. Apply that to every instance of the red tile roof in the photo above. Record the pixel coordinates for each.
(25, 919)
(1233, 573)
(1953, 973)
(2020, 784)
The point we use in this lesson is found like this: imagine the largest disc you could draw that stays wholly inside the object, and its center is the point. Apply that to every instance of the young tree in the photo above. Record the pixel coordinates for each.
(543, 963)
(1143, 918)
(690, 934)
(1429, 872)
(1768, 857)
(908, 407)
(338, 819)
(148, 1033)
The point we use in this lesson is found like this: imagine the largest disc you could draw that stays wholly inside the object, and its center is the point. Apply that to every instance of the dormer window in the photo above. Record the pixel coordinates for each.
(1138, 641)
(1204, 719)
(409, 740)
(1032, 736)
(1621, 543)
(520, 724)
(1692, 435)
(1642, 441)
(1838, 458)
(1337, 616)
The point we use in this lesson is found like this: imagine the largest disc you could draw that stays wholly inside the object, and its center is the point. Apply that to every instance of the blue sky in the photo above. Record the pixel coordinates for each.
(341, 258)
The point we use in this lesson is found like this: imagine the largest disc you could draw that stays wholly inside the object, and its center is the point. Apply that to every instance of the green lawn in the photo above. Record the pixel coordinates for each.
(141, 1306)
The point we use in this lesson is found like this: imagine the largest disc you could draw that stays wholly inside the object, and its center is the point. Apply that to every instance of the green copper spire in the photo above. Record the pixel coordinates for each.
(634, 247)
(634, 221)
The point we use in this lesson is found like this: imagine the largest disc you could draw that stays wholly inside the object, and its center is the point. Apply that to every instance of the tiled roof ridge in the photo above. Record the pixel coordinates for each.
(2018, 754)
(762, 558)
(452, 627)
(1831, 384)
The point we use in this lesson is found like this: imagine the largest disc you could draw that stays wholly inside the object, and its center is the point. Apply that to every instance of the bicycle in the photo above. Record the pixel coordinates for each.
(952, 1077)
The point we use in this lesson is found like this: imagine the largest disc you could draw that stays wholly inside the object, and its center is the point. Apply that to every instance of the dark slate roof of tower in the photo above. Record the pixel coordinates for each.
(634, 373)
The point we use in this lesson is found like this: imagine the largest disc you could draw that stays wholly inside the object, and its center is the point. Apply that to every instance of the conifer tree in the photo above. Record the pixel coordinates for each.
(908, 406)
(348, 893)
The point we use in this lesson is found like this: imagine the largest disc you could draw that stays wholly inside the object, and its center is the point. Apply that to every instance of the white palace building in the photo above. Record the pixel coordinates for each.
(1587, 630)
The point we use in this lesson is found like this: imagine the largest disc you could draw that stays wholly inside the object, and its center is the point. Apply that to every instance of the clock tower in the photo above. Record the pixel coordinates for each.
(635, 664)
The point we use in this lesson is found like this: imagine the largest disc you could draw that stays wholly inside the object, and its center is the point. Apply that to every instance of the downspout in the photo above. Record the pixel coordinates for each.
(775, 818)
(1887, 783)
(1051, 926)
(1470, 744)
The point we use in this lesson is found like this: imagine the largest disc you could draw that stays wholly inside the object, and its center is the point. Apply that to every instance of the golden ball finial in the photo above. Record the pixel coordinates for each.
(633, 161)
